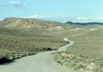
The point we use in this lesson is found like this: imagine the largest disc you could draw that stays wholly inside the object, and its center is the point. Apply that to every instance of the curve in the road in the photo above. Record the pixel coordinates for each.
(41, 62)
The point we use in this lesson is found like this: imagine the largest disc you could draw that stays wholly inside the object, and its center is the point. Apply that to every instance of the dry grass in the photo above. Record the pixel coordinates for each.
(88, 49)
(17, 44)
(79, 63)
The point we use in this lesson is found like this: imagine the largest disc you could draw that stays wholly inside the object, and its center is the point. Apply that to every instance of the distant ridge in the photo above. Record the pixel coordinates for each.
(85, 24)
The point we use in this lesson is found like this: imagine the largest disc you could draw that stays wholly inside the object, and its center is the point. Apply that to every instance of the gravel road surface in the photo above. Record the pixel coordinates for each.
(41, 62)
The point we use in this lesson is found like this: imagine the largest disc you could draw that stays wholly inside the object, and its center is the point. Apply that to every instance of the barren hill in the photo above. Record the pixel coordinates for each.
(33, 24)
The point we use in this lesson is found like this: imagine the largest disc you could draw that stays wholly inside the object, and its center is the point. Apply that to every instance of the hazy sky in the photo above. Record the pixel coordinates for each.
(59, 10)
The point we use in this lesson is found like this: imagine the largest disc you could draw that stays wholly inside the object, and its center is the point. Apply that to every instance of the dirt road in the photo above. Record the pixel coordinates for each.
(41, 62)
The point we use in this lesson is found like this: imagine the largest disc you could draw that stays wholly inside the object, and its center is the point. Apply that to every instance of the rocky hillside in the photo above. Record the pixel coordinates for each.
(37, 25)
